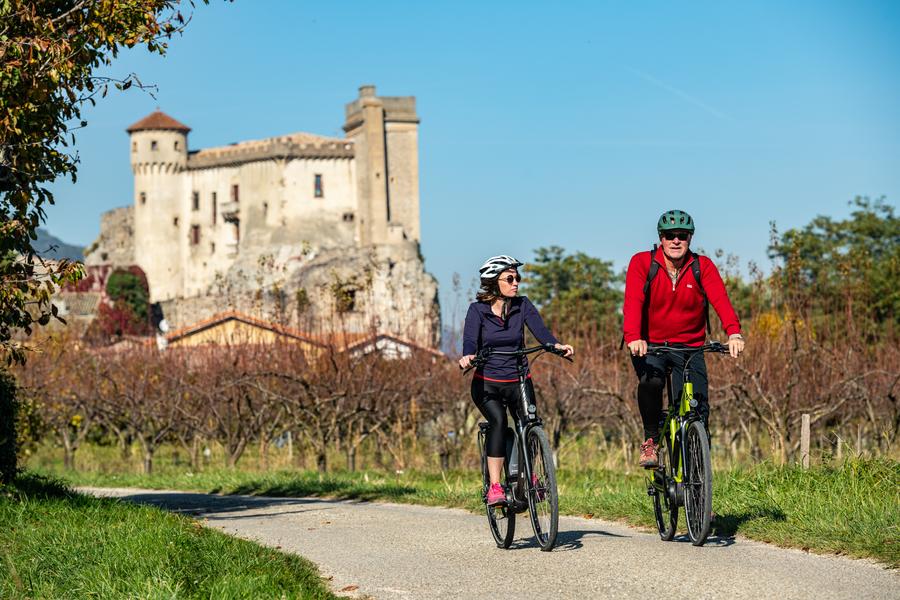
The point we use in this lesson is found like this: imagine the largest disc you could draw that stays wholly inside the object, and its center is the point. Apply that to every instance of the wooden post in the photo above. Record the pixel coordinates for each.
(290, 445)
(858, 440)
(804, 441)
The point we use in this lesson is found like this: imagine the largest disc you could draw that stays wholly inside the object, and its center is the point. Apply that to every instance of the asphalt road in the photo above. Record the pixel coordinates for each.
(396, 551)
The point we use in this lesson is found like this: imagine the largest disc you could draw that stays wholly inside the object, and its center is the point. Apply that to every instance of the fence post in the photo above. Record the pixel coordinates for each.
(804, 441)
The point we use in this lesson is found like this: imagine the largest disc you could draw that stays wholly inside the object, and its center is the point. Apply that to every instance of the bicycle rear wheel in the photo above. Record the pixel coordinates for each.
(501, 519)
(543, 499)
(665, 507)
(697, 483)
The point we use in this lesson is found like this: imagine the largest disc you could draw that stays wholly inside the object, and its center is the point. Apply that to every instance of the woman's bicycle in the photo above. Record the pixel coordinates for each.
(529, 469)
(684, 474)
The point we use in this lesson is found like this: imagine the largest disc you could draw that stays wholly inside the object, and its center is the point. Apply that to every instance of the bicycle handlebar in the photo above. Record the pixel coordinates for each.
(485, 353)
(710, 347)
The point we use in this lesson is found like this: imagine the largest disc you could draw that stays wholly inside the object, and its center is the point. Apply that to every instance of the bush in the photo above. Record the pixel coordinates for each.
(8, 413)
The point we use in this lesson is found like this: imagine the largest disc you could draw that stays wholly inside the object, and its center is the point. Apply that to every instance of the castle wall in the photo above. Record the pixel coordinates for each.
(115, 246)
(403, 176)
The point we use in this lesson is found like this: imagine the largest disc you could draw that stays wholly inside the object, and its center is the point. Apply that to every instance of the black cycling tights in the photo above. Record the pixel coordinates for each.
(651, 372)
(492, 398)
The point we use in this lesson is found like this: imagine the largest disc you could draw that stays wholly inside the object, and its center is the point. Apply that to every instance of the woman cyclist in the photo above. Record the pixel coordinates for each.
(497, 319)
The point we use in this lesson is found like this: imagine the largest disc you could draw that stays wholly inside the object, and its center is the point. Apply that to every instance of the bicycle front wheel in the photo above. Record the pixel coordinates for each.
(697, 483)
(665, 505)
(501, 519)
(543, 499)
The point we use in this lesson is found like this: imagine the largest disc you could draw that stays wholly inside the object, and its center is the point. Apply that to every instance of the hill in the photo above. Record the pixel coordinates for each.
(49, 246)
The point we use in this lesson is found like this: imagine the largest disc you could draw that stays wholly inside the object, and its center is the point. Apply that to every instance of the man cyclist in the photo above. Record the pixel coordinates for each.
(666, 304)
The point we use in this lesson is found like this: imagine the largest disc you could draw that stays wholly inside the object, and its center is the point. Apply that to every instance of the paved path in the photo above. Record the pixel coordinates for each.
(400, 551)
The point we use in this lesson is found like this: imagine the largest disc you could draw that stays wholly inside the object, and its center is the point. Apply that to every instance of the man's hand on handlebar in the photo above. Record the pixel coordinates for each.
(566, 349)
(638, 347)
(466, 361)
(735, 345)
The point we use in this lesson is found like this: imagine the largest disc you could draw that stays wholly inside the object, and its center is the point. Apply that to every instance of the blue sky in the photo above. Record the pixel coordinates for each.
(574, 124)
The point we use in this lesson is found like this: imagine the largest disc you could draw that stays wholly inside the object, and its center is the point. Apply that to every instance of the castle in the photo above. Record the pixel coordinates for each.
(297, 228)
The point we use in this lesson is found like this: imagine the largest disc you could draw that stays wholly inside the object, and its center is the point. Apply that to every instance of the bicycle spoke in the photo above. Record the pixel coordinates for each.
(542, 492)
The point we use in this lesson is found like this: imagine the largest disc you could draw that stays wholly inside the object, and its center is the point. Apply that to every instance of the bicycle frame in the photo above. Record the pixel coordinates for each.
(681, 414)
(526, 419)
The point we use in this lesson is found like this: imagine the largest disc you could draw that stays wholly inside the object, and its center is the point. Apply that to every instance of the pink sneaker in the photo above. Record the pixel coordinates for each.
(496, 495)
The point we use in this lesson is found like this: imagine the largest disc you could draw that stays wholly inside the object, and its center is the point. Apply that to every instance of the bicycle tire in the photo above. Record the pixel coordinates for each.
(501, 519)
(665, 507)
(543, 497)
(697, 483)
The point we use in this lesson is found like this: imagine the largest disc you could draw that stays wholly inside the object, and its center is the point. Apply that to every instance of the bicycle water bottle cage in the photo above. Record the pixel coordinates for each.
(693, 403)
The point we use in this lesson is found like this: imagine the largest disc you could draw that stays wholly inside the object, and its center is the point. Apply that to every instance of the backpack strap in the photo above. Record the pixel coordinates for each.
(695, 269)
(651, 273)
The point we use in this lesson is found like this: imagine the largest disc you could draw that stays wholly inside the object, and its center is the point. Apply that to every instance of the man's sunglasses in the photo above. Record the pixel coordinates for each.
(510, 278)
(681, 235)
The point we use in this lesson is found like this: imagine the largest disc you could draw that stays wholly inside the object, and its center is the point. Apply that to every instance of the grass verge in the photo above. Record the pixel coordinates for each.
(55, 543)
(849, 508)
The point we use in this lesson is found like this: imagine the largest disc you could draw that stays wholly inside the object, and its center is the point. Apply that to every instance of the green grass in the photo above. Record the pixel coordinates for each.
(55, 543)
(851, 508)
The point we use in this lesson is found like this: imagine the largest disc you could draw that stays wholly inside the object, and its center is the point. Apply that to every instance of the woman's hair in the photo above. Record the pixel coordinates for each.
(489, 291)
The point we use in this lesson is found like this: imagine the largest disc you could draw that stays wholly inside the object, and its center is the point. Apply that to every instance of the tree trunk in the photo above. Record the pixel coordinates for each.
(264, 453)
(68, 452)
(234, 454)
(148, 457)
(195, 453)
(351, 458)
(321, 462)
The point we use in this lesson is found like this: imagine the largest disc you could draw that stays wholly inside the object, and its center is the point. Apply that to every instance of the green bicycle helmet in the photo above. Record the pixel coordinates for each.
(675, 219)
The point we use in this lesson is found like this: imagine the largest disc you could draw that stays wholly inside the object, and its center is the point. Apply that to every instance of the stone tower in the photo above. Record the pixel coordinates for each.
(385, 134)
(158, 158)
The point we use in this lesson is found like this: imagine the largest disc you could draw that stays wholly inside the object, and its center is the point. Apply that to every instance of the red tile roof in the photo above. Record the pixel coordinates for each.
(158, 120)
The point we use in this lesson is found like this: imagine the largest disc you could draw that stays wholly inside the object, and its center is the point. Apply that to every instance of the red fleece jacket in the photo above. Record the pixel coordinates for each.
(675, 313)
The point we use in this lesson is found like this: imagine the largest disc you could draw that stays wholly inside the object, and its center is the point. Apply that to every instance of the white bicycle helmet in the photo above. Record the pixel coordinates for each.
(495, 265)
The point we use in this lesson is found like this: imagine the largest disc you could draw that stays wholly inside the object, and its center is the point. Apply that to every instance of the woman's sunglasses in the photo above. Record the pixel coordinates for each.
(681, 235)
(510, 278)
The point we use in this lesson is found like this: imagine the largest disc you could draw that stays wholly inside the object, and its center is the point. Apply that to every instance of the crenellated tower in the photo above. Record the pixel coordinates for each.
(158, 161)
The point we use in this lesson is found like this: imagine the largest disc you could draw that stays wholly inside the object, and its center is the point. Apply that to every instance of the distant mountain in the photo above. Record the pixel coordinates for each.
(50, 246)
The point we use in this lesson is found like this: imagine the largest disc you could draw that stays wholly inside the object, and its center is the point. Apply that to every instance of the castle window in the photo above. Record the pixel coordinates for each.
(265, 209)
(175, 221)
(177, 145)
(212, 247)
(348, 217)
(153, 145)
(143, 197)
(319, 191)
(235, 193)
(134, 146)
(195, 235)
(195, 201)
(214, 208)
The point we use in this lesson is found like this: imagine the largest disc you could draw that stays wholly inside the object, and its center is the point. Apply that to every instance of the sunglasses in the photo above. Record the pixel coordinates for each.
(681, 235)
(510, 278)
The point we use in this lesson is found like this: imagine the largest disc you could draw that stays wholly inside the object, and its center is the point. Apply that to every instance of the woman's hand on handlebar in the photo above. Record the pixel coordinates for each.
(466, 361)
(566, 349)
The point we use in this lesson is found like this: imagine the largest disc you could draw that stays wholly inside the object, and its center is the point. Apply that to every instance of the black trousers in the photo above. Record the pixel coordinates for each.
(651, 373)
(493, 398)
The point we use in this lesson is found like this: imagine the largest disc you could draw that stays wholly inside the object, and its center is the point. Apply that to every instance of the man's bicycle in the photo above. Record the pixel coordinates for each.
(684, 474)
(529, 470)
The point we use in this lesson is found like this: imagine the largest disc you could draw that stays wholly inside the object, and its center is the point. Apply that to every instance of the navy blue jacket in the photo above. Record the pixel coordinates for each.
(484, 328)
